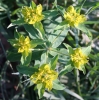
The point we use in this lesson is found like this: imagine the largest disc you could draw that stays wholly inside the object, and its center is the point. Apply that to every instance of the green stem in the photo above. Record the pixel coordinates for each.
(37, 49)
(76, 71)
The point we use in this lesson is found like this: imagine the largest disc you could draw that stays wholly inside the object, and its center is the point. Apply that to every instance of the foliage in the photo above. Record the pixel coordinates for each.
(49, 48)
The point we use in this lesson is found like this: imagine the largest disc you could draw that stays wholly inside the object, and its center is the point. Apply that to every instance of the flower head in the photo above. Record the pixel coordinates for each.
(23, 45)
(78, 58)
(45, 76)
(31, 16)
(73, 18)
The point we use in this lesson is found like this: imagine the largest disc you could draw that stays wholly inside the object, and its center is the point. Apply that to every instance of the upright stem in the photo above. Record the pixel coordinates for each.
(76, 71)
(76, 37)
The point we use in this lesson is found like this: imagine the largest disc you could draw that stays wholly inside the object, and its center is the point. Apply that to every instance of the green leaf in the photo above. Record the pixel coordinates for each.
(36, 55)
(89, 35)
(61, 25)
(41, 90)
(71, 40)
(17, 35)
(27, 70)
(75, 95)
(19, 21)
(83, 69)
(25, 60)
(44, 58)
(32, 5)
(57, 85)
(40, 28)
(86, 50)
(91, 22)
(57, 37)
(68, 68)
(94, 7)
(61, 9)
(12, 41)
(50, 14)
(82, 28)
(37, 41)
(94, 70)
(15, 11)
(54, 62)
(13, 56)
(64, 56)
(90, 4)
(33, 33)
(69, 48)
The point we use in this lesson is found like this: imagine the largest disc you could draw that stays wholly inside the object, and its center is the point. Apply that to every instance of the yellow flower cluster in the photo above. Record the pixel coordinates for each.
(31, 16)
(78, 58)
(73, 18)
(45, 76)
(23, 44)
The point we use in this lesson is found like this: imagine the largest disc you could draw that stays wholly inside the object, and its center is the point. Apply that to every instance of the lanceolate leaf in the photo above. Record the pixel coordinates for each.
(19, 21)
(83, 69)
(44, 58)
(69, 48)
(50, 14)
(86, 50)
(91, 22)
(67, 69)
(14, 56)
(12, 41)
(17, 35)
(57, 85)
(27, 70)
(61, 25)
(37, 41)
(32, 5)
(25, 60)
(61, 9)
(41, 90)
(33, 33)
(57, 37)
(54, 62)
(73, 94)
(40, 28)
(94, 7)
(82, 28)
